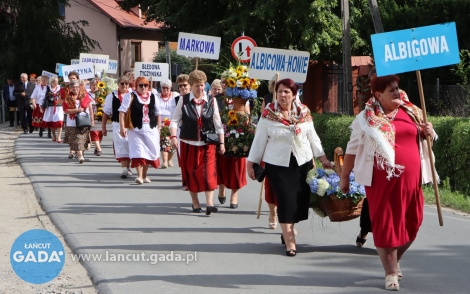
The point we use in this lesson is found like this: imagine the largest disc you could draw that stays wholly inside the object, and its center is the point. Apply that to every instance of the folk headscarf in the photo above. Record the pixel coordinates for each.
(380, 132)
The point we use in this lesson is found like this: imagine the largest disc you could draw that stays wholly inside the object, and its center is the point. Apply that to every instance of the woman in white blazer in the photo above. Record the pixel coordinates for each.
(389, 154)
(286, 141)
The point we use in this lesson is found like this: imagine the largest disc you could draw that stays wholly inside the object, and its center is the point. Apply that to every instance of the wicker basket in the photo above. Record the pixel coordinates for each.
(340, 210)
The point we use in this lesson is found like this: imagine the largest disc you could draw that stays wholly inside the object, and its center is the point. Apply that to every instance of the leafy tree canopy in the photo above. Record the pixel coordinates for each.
(313, 26)
(35, 37)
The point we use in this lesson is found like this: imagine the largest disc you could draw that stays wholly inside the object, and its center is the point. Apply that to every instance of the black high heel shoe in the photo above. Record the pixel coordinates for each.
(291, 253)
(196, 210)
(282, 240)
(222, 199)
(210, 209)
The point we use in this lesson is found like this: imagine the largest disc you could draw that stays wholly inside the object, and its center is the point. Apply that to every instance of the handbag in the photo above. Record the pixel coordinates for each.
(83, 121)
(210, 137)
(128, 117)
(260, 173)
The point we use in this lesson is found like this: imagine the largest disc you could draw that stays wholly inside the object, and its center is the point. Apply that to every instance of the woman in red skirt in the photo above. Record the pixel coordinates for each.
(37, 99)
(95, 135)
(392, 129)
(194, 112)
(231, 171)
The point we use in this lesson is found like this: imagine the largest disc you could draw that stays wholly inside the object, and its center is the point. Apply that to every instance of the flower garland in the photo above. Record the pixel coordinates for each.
(239, 83)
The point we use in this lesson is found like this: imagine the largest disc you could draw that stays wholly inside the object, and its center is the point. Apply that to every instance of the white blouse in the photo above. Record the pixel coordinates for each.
(167, 107)
(126, 102)
(177, 117)
(39, 94)
(108, 103)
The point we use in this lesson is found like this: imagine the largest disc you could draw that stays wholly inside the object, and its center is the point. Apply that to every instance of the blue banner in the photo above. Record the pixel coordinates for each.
(415, 49)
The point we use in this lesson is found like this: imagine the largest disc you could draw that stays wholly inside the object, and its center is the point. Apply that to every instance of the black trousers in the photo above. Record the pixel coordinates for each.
(26, 117)
(11, 114)
(364, 221)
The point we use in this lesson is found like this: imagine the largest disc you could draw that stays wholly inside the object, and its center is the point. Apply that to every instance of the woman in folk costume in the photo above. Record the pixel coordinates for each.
(53, 112)
(231, 171)
(167, 107)
(143, 128)
(195, 111)
(37, 98)
(64, 92)
(111, 110)
(95, 135)
(77, 103)
(184, 88)
(286, 141)
(390, 157)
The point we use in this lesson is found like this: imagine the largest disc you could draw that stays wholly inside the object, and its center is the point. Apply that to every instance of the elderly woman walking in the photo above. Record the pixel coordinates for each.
(195, 111)
(286, 141)
(391, 129)
(167, 107)
(111, 110)
(77, 103)
(37, 99)
(142, 129)
(53, 112)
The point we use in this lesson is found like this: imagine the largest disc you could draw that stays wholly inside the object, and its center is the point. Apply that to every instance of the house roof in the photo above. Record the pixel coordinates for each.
(123, 18)
(364, 63)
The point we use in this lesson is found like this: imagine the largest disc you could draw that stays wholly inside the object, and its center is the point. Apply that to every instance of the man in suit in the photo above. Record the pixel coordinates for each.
(10, 100)
(23, 90)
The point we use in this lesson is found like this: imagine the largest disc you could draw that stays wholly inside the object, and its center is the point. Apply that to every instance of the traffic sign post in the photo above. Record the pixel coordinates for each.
(241, 48)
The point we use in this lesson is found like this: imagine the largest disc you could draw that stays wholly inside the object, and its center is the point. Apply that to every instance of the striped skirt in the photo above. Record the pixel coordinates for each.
(198, 167)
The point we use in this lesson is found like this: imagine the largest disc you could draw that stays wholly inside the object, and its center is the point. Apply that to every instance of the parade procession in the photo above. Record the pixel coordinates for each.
(168, 151)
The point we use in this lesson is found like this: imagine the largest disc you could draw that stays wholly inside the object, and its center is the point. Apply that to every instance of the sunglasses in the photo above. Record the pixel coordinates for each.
(143, 85)
(123, 84)
(183, 85)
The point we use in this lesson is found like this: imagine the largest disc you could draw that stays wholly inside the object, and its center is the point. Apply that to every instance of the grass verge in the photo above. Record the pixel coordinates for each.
(449, 198)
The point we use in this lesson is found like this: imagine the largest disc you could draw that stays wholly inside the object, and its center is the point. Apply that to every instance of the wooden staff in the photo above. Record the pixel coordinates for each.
(262, 183)
(197, 61)
(431, 158)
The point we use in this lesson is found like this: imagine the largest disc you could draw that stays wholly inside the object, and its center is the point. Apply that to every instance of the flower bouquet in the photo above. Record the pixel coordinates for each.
(239, 133)
(165, 130)
(239, 86)
(104, 87)
(326, 198)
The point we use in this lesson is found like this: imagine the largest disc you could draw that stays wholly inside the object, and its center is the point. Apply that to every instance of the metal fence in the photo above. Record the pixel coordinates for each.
(3, 107)
(333, 100)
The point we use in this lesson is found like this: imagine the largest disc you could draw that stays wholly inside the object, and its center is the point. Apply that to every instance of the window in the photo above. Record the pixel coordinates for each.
(136, 51)
(62, 10)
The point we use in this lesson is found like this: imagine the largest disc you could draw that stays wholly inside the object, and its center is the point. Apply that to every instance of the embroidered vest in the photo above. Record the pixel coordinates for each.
(137, 112)
(115, 107)
(190, 129)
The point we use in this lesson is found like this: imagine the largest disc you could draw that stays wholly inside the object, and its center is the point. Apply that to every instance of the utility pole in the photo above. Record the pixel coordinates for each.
(374, 10)
(168, 58)
(347, 74)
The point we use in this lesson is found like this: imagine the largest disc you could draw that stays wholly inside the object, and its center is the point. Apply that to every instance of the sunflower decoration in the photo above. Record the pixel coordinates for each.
(233, 121)
(105, 86)
(239, 84)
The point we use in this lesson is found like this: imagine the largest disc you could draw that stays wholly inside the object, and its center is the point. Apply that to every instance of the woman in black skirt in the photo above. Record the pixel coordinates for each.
(287, 142)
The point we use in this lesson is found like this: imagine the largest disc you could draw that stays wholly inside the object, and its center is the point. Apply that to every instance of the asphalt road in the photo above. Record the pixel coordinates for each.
(97, 212)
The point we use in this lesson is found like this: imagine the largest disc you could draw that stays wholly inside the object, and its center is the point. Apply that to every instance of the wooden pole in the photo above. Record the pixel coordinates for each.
(374, 10)
(347, 71)
(262, 183)
(197, 61)
(431, 158)
(260, 199)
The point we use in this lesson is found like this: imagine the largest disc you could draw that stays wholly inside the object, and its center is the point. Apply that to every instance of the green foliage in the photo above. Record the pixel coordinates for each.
(35, 37)
(187, 65)
(313, 26)
(459, 155)
(333, 131)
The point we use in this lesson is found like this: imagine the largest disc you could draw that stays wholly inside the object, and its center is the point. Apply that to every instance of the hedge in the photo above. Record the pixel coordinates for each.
(451, 150)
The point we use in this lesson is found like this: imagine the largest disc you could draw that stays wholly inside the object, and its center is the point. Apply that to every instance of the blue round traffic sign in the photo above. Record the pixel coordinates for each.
(37, 256)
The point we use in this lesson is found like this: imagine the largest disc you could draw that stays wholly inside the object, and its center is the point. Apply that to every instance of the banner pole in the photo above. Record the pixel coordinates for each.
(431, 158)
(197, 61)
(262, 183)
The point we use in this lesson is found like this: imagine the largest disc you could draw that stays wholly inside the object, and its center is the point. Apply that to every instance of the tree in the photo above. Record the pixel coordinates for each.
(313, 26)
(35, 36)
(185, 62)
